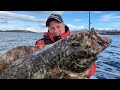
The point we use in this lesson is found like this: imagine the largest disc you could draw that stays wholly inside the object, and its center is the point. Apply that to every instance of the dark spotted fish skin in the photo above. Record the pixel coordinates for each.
(72, 55)
(17, 53)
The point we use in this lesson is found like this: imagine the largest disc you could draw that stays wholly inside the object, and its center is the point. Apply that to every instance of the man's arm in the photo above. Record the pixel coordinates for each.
(40, 42)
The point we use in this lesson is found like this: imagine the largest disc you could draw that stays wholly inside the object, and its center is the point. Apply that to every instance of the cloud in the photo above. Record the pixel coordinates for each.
(109, 17)
(34, 29)
(5, 22)
(29, 28)
(106, 17)
(10, 15)
(116, 17)
(50, 12)
(97, 11)
(76, 20)
(3, 27)
(103, 28)
(72, 27)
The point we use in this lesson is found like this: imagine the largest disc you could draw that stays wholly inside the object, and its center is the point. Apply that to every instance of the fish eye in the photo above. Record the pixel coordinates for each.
(75, 44)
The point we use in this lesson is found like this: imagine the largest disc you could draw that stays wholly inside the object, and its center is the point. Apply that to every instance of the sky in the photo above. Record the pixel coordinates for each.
(75, 20)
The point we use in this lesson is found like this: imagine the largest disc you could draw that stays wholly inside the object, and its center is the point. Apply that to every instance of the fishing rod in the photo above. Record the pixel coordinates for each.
(89, 20)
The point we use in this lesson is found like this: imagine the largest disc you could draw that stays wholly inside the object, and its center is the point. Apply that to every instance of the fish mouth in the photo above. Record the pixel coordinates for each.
(105, 42)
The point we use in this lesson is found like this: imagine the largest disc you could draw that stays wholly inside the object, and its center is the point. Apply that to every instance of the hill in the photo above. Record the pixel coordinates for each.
(25, 31)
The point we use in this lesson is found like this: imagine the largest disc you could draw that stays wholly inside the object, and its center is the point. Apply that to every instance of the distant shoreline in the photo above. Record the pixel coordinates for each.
(108, 32)
(102, 32)
(24, 31)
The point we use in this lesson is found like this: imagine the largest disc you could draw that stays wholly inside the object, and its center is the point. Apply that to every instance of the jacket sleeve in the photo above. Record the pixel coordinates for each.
(40, 42)
(91, 71)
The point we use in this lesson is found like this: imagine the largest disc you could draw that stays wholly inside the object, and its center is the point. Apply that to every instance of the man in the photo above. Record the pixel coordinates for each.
(56, 31)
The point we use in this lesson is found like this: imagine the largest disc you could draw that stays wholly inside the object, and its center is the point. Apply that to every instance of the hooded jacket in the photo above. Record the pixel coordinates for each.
(49, 38)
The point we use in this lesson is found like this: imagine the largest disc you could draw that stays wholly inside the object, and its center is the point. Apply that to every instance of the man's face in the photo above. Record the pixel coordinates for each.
(56, 28)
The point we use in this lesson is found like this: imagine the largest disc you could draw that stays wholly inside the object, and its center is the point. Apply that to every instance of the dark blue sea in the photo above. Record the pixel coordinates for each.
(108, 61)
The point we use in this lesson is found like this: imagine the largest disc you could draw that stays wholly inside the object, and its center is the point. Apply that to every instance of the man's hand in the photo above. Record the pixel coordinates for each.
(84, 75)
